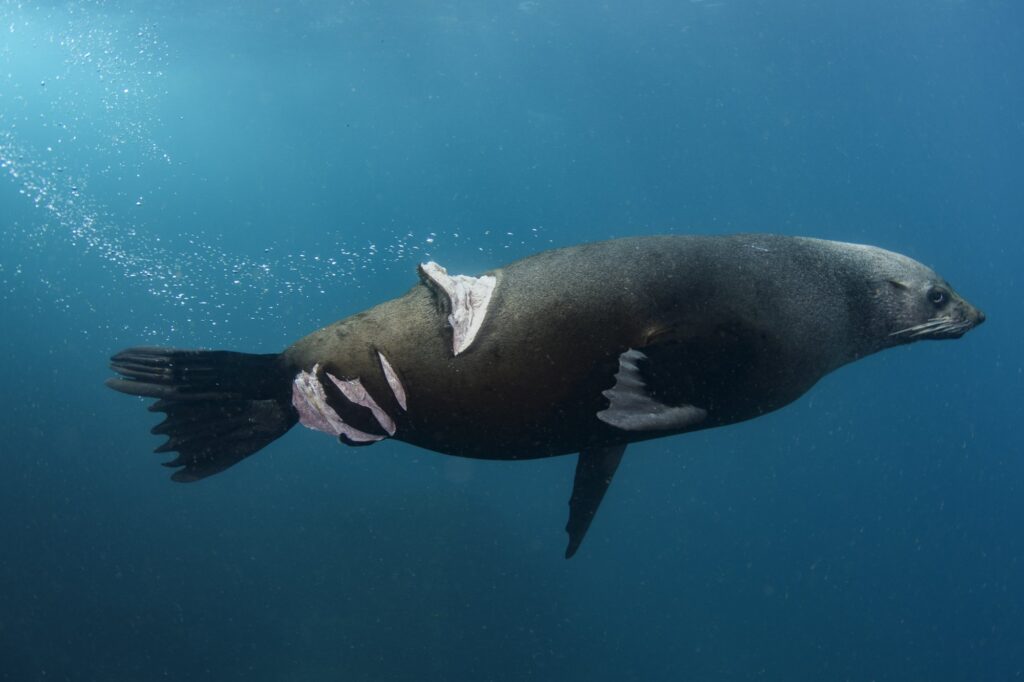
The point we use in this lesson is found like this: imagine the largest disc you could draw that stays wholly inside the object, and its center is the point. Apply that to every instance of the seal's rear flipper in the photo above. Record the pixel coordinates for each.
(594, 472)
(221, 406)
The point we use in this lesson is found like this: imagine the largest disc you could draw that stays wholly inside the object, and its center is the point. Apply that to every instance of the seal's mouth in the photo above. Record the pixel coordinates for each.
(941, 327)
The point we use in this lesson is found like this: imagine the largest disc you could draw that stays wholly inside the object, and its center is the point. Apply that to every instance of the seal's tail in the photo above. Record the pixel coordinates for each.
(221, 406)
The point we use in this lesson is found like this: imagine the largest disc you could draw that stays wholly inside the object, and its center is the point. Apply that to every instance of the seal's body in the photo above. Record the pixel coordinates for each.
(583, 349)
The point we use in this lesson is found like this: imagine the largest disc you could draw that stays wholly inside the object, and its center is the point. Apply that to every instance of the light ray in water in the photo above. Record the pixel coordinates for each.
(79, 107)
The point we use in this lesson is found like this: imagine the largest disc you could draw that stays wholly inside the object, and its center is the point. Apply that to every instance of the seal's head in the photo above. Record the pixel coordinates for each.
(915, 302)
(932, 310)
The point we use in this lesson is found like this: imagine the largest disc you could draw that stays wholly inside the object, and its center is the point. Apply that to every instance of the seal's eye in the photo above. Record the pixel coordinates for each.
(938, 297)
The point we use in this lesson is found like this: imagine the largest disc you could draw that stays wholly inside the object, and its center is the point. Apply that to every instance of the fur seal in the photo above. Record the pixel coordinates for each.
(582, 349)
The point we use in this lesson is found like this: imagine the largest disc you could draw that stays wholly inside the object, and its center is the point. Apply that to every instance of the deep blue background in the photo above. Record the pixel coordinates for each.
(172, 176)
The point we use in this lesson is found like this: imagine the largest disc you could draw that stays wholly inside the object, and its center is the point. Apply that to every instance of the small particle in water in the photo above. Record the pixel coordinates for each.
(138, 202)
(430, 240)
(42, 84)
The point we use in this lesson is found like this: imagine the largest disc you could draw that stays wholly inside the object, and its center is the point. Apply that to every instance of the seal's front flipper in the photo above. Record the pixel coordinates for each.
(221, 406)
(632, 408)
(594, 472)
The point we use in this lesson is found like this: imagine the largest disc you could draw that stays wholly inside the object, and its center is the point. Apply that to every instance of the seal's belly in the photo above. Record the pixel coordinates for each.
(527, 387)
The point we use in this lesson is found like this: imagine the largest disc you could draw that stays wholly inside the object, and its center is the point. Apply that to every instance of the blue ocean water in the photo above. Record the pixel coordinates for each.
(236, 174)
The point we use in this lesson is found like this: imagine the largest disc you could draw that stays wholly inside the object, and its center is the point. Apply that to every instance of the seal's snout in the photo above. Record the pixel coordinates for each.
(971, 315)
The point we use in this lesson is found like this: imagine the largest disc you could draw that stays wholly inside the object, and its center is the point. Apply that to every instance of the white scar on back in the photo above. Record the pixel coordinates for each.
(468, 298)
(393, 381)
(310, 402)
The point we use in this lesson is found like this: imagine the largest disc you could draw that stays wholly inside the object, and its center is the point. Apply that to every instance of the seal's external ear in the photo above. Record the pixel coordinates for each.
(899, 285)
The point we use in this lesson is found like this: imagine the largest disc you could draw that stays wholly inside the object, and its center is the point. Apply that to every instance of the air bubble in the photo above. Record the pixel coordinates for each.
(188, 277)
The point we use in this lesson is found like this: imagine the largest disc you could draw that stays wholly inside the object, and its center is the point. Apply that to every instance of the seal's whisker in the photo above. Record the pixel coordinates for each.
(933, 322)
(938, 329)
(945, 327)
(923, 328)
